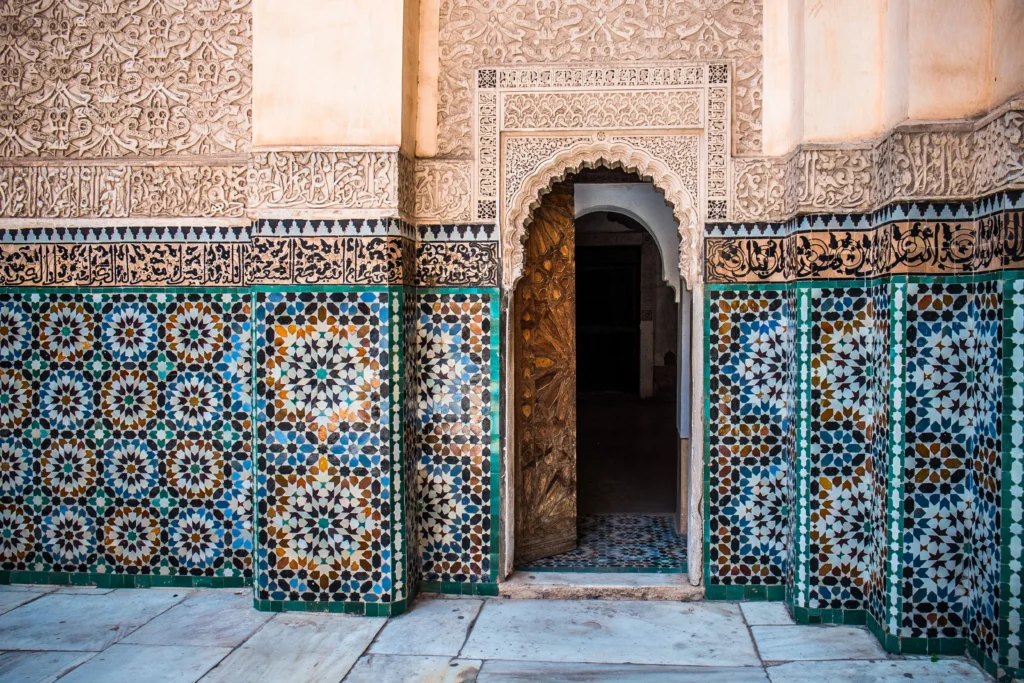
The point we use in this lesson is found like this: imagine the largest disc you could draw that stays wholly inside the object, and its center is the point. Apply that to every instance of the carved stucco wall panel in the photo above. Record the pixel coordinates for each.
(443, 191)
(635, 109)
(303, 182)
(940, 161)
(122, 78)
(507, 32)
(665, 109)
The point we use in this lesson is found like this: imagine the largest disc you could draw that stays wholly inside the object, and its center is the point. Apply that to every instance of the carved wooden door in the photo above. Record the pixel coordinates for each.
(545, 383)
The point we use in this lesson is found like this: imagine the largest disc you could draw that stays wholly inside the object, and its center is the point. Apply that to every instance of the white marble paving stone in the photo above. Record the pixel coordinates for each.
(612, 632)
(767, 614)
(498, 671)
(917, 669)
(12, 599)
(792, 643)
(295, 648)
(208, 618)
(412, 669)
(148, 663)
(39, 667)
(28, 588)
(82, 622)
(434, 626)
(87, 590)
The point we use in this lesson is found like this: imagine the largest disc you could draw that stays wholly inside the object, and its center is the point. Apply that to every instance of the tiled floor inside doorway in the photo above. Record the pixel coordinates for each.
(621, 543)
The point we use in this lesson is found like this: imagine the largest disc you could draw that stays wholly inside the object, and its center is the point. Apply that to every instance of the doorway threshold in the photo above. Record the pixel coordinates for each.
(599, 586)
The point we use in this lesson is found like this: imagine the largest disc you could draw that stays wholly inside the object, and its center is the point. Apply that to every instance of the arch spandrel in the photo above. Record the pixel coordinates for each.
(617, 154)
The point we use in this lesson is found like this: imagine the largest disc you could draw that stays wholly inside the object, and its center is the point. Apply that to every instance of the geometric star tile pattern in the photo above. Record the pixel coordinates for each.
(125, 434)
(941, 345)
(750, 403)
(841, 430)
(324, 465)
(457, 419)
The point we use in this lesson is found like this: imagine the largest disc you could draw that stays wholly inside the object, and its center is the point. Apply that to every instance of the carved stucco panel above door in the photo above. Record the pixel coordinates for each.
(677, 113)
(577, 32)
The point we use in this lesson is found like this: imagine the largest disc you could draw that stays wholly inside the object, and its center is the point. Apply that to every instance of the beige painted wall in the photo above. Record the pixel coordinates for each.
(1007, 56)
(843, 68)
(848, 70)
(949, 58)
(328, 72)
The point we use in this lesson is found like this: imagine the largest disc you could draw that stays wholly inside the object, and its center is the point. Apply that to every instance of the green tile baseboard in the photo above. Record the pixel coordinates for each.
(122, 580)
(459, 588)
(745, 592)
(368, 609)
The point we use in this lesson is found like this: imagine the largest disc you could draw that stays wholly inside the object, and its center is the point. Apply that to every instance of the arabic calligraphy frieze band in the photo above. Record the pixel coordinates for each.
(939, 238)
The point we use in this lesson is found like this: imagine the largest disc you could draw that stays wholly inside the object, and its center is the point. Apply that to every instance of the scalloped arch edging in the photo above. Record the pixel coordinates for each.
(591, 154)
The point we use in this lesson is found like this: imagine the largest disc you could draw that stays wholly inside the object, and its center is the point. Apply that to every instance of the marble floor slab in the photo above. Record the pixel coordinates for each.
(431, 627)
(208, 618)
(412, 669)
(299, 648)
(148, 663)
(766, 614)
(612, 632)
(60, 621)
(793, 643)
(39, 667)
(918, 670)
(11, 599)
(555, 672)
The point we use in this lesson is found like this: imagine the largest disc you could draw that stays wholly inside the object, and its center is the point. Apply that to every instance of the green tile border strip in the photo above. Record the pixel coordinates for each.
(850, 617)
(8, 578)
(1012, 521)
(750, 593)
(396, 424)
(459, 588)
(801, 496)
(894, 491)
(368, 609)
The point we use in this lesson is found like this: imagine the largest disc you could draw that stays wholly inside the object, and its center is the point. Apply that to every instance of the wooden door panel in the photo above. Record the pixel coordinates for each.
(545, 383)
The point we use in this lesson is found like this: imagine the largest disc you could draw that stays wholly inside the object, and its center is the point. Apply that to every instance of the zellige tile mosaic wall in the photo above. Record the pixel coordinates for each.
(125, 423)
(901, 484)
(346, 388)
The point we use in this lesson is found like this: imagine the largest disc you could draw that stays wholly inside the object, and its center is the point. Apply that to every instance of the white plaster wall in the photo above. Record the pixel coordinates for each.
(328, 72)
(641, 202)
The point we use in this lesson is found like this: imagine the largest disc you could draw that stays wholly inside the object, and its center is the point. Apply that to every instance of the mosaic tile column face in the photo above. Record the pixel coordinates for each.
(750, 402)
(940, 436)
(458, 421)
(125, 435)
(985, 470)
(879, 459)
(1011, 594)
(324, 464)
(842, 429)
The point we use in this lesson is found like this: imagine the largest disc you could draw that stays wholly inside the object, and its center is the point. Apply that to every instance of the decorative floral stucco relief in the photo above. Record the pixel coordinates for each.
(124, 78)
(482, 32)
(635, 109)
(909, 163)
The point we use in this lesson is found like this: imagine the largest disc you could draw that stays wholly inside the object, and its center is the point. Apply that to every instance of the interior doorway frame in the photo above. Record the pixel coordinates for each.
(514, 221)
